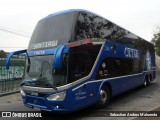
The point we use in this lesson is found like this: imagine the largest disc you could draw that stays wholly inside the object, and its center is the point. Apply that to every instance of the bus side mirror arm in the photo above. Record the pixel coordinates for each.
(57, 63)
(11, 54)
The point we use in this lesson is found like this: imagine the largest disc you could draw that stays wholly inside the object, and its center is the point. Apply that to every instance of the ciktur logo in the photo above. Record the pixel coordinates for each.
(148, 60)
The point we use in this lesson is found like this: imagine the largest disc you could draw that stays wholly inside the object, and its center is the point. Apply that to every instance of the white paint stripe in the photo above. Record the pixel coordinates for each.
(108, 79)
(104, 80)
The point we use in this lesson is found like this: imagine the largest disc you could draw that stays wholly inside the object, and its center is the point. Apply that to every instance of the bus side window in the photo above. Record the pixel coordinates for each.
(81, 66)
(114, 67)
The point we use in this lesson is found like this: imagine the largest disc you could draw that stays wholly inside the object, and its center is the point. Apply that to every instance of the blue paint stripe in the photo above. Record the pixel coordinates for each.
(46, 52)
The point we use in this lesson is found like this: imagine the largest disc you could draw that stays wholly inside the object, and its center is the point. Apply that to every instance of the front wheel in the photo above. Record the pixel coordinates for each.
(104, 97)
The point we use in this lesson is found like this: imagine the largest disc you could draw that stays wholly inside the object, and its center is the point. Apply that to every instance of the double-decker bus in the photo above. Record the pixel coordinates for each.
(77, 58)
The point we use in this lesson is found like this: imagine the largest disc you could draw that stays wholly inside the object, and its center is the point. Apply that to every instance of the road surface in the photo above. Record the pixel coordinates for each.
(139, 99)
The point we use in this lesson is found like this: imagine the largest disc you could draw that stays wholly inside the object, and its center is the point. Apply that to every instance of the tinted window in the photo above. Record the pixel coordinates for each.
(114, 67)
(52, 31)
(89, 26)
(81, 61)
(80, 65)
(92, 26)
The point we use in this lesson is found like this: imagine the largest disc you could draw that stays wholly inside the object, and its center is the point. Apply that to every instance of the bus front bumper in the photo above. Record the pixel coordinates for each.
(41, 103)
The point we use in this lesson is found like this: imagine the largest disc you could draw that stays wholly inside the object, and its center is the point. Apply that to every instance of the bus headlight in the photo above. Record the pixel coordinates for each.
(22, 92)
(58, 96)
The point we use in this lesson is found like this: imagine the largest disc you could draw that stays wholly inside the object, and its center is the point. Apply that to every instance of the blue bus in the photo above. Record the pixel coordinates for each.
(77, 58)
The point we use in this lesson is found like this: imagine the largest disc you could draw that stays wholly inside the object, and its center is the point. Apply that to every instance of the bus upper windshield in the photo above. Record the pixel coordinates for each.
(53, 31)
(40, 72)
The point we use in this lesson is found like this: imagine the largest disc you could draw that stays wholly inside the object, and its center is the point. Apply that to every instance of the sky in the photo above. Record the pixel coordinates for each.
(21, 16)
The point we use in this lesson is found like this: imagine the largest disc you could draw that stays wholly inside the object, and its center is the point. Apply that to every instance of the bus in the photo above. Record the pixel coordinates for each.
(76, 58)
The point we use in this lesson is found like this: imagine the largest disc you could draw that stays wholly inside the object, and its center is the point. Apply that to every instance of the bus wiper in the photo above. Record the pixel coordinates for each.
(39, 80)
(22, 83)
(30, 74)
(43, 79)
(55, 88)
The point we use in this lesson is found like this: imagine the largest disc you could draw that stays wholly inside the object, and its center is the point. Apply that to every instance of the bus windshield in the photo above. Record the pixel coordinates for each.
(40, 73)
(52, 31)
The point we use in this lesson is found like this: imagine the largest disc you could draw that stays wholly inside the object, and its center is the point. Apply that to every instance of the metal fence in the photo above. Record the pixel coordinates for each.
(10, 79)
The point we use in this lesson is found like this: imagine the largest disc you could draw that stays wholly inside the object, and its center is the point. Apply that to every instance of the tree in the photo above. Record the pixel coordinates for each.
(156, 40)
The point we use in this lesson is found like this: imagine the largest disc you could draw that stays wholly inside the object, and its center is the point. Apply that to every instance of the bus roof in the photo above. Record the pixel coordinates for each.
(87, 11)
(63, 12)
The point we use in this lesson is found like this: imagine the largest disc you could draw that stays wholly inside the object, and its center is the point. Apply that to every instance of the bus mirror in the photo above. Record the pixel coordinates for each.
(11, 54)
(28, 64)
(57, 63)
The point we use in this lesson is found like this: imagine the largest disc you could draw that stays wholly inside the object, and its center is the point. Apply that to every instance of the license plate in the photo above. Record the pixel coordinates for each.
(37, 108)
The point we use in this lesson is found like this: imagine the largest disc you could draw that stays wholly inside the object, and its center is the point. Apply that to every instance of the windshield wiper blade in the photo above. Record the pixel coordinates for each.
(45, 83)
(30, 74)
(55, 88)
(22, 83)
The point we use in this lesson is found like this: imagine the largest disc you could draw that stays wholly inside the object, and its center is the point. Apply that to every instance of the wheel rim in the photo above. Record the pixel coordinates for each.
(149, 80)
(145, 83)
(103, 96)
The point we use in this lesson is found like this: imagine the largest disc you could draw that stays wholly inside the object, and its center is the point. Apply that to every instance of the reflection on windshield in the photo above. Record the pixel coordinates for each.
(40, 66)
(52, 31)
(40, 72)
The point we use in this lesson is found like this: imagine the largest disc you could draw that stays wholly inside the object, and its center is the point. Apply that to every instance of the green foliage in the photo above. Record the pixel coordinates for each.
(156, 42)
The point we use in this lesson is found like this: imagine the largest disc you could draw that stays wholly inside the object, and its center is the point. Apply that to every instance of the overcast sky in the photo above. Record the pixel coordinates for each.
(137, 16)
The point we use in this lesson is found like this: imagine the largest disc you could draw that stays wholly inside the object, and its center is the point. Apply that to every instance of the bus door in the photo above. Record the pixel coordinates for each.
(81, 61)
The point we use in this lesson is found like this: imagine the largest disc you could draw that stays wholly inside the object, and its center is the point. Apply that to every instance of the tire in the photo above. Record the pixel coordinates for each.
(104, 97)
(147, 82)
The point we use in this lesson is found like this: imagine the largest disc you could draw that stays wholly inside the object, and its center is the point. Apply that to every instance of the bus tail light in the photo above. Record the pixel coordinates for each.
(58, 96)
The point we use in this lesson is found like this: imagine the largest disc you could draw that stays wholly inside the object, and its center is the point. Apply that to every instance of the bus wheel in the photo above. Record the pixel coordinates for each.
(104, 97)
(149, 81)
(145, 83)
